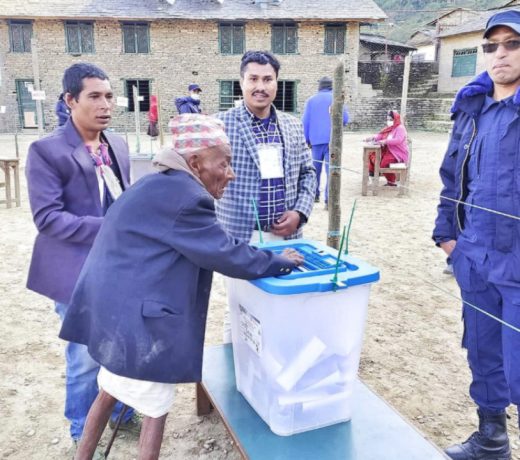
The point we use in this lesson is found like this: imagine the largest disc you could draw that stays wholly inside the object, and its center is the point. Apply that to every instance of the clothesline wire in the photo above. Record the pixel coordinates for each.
(445, 291)
(416, 276)
(482, 208)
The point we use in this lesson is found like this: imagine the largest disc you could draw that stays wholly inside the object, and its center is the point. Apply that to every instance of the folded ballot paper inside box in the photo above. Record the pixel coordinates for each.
(297, 338)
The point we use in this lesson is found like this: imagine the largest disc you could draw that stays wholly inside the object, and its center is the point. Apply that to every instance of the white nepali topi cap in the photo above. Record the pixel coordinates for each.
(192, 132)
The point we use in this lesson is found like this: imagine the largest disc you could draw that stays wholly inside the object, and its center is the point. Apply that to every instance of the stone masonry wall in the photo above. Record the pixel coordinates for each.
(388, 76)
(182, 52)
(370, 114)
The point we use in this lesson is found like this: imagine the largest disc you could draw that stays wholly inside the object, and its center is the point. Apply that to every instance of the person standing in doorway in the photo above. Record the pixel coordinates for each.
(317, 129)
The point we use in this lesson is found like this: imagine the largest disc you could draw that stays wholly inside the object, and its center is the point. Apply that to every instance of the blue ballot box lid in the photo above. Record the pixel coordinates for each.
(317, 272)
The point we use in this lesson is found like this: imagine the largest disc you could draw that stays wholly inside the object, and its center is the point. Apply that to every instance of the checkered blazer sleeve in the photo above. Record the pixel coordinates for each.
(300, 172)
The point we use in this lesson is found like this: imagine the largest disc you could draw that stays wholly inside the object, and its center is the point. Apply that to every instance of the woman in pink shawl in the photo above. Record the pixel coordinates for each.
(394, 145)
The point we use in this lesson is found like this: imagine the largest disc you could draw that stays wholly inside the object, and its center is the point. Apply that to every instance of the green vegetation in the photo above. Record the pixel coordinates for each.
(407, 16)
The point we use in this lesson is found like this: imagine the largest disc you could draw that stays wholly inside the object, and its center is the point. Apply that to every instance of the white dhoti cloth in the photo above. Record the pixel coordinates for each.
(153, 399)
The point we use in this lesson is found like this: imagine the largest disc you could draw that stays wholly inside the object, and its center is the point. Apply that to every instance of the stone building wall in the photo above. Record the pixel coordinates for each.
(388, 76)
(370, 113)
(181, 52)
(448, 83)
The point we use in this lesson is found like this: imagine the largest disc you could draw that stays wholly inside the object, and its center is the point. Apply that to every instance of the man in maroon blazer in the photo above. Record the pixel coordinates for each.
(73, 176)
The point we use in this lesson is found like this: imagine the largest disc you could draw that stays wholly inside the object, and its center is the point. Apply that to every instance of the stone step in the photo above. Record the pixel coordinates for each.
(438, 126)
(425, 84)
(447, 96)
(442, 117)
(366, 90)
(422, 89)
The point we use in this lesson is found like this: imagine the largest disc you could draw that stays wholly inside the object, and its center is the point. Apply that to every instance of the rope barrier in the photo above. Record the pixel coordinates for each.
(415, 275)
(445, 291)
(482, 208)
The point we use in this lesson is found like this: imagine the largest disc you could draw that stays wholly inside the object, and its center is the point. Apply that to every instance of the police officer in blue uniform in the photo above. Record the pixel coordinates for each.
(481, 169)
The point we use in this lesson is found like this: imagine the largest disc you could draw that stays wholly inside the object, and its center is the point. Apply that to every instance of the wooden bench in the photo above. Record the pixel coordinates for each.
(376, 431)
(400, 169)
(7, 165)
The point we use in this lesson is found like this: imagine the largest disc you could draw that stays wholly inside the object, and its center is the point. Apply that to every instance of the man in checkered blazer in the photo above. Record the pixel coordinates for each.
(264, 141)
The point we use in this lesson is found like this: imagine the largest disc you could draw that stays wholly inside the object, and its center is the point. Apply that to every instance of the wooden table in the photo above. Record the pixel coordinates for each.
(367, 149)
(8, 164)
(376, 430)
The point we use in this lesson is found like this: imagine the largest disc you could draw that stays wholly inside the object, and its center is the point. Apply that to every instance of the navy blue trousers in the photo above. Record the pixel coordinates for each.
(493, 349)
(320, 156)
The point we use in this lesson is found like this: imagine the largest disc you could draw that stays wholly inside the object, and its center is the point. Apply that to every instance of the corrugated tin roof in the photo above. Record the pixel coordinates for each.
(476, 25)
(344, 10)
(379, 40)
(447, 13)
(430, 33)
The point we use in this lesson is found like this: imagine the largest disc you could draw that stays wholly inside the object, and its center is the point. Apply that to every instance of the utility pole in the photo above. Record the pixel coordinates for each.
(335, 149)
(137, 120)
(36, 74)
(160, 119)
(406, 80)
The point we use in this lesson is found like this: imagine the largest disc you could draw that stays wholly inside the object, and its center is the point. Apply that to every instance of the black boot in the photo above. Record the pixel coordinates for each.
(490, 442)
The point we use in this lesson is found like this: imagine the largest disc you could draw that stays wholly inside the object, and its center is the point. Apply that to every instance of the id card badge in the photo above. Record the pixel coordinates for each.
(270, 156)
(111, 181)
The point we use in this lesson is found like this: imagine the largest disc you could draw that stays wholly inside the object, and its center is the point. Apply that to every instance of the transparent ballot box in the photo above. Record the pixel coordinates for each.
(297, 338)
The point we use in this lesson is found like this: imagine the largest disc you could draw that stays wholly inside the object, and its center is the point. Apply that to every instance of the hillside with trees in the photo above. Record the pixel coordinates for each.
(407, 16)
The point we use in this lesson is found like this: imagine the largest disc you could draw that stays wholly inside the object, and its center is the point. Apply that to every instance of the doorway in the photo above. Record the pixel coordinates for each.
(26, 105)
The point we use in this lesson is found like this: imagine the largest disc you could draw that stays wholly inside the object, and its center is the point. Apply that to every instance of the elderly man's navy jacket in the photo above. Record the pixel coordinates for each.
(141, 300)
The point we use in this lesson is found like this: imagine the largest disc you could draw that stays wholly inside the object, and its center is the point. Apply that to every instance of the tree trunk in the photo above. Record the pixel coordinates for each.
(335, 148)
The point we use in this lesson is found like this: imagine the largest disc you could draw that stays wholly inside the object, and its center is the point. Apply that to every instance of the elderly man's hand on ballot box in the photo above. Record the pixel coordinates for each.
(293, 256)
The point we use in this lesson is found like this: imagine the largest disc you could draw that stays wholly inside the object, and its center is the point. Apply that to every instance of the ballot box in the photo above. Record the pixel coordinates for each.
(297, 338)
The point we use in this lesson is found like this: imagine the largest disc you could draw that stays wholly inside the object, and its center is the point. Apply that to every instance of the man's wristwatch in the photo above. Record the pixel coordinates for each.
(303, 218)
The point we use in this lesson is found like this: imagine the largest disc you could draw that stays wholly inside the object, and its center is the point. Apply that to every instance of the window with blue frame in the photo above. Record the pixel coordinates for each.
(232, 38)
(284, 38)
(136, 37)
(79, 37)
(334, 38)
(464, 62)
(20, 33)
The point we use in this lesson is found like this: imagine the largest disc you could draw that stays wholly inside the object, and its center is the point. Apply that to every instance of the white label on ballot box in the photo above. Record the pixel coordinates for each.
(250, 330)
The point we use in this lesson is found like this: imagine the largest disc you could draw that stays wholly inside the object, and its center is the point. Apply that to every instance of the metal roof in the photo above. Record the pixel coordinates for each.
(330, 10)
(447, 13)
(379, 40)
(422, 37)
(477, 25)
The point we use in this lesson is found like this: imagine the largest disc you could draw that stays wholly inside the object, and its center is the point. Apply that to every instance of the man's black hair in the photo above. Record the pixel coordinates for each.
(73, 77)
(259, 57)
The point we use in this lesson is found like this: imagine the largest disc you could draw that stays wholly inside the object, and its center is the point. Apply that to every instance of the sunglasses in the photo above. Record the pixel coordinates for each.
(509, 45)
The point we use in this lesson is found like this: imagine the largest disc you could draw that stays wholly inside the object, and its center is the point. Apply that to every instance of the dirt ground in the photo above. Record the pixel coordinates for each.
(411, 354)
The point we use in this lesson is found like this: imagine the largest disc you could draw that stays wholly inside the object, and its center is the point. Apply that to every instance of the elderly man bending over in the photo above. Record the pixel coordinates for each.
(141, 300)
